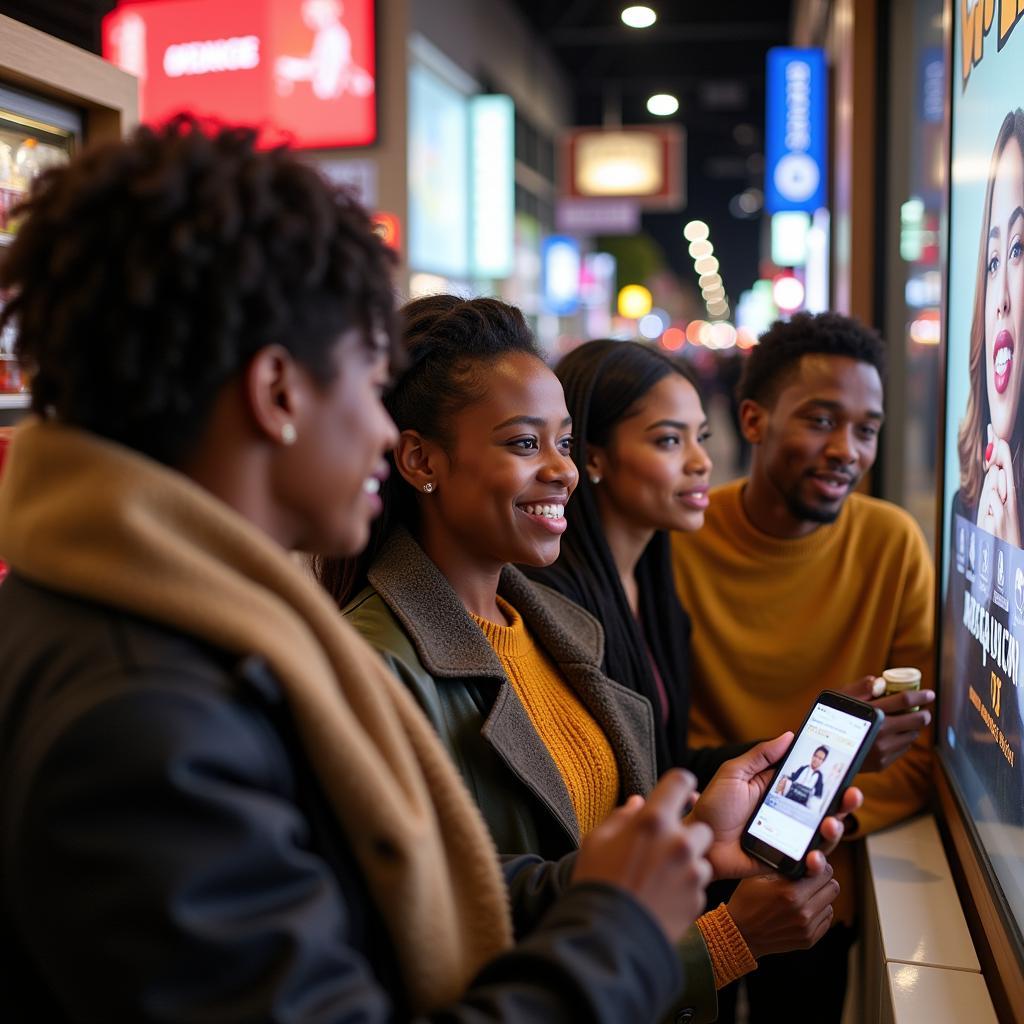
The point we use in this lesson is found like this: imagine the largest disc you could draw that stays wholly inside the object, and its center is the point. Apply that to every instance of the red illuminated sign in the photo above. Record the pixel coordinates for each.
(301, 69)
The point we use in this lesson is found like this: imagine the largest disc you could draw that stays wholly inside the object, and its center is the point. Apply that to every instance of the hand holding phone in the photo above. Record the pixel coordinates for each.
(810, 783)
(735, 790)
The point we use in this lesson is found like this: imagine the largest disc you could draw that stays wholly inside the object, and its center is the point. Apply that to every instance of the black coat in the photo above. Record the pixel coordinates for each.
(168, 855)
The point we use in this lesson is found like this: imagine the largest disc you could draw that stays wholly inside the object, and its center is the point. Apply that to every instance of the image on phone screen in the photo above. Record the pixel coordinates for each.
(800, 794)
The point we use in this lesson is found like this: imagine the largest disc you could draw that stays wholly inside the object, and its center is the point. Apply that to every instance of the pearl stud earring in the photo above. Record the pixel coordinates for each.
(289, 435)
(428, 487)
(595, 479)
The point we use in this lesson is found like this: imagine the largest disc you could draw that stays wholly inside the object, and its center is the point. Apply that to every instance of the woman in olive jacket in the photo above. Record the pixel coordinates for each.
(507, 670)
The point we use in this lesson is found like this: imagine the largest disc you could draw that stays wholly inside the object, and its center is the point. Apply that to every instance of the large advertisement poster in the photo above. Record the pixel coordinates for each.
(983, 569)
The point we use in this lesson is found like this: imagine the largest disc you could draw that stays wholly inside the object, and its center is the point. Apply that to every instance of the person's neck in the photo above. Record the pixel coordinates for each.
(475, 583)
(766, 509)
(627, 542)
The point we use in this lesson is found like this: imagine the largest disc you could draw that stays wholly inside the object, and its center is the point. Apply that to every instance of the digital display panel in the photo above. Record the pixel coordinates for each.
(981, 559)
(303, 70)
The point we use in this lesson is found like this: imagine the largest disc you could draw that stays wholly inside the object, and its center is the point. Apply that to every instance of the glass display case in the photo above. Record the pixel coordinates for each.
(35, 135)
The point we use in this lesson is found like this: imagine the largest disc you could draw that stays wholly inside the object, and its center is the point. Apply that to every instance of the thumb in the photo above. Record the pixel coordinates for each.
(863, 688)
(765, 755)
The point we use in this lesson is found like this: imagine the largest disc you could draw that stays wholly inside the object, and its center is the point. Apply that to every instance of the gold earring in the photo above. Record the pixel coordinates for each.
(289, 435)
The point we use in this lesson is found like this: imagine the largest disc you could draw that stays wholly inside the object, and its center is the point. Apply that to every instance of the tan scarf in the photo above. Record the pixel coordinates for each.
(91, 518)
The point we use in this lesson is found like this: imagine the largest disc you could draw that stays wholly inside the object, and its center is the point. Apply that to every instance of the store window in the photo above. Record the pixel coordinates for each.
(916, 160)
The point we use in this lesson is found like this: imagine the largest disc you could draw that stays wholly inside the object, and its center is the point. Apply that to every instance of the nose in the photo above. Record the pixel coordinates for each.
(558, 468)
(1003, 285)
(841, 445)
(698, 462)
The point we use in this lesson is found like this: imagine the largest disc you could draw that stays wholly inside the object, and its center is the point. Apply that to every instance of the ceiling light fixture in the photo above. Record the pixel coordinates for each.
(639, 17)
(662, 104)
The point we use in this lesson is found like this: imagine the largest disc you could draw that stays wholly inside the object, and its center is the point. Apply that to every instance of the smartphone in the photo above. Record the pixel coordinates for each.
(810, 780)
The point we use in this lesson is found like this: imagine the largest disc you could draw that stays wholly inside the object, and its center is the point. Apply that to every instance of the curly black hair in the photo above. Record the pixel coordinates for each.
(784, 343)
(148, 272)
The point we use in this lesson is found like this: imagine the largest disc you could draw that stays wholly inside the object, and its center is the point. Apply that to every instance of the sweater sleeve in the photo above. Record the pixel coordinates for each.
(730, 955)
(902, 789)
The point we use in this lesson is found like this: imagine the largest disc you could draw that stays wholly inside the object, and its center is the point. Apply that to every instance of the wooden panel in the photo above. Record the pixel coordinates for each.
(38, 63)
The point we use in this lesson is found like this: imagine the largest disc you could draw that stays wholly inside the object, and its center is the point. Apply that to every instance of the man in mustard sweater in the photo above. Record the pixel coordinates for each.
(796, 584)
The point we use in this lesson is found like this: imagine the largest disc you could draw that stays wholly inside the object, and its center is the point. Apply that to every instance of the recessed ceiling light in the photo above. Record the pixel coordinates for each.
(662, 104)
(639, 17)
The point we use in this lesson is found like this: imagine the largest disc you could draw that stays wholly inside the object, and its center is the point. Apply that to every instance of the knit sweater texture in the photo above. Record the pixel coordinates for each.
(577, 745)
(776, 621)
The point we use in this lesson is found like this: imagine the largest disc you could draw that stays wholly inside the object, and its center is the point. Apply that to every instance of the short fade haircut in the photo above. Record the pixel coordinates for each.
(785, 343)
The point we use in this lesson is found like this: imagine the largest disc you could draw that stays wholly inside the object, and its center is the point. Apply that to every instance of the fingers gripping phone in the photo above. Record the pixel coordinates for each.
(810, 780)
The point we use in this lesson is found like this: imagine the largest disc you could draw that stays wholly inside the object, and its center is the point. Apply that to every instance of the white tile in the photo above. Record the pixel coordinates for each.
(935, 995)
(919, 914)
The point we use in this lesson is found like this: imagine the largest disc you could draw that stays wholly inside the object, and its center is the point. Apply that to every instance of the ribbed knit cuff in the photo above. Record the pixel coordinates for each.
(730, 955)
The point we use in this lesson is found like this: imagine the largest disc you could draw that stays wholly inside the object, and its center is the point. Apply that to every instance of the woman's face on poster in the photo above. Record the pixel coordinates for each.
(1004, 291)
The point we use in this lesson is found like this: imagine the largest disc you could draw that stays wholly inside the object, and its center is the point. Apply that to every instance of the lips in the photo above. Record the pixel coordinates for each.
(831, 486)
(548, 513)
(696, 499)
(1002, 361)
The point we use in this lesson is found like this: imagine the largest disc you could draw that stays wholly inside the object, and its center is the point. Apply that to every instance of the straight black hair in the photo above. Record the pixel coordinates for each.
(603, 382)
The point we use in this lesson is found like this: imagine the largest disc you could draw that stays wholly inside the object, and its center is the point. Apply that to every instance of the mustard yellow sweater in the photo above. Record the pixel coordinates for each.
(586, 762)
(577, 744)
(777, 621)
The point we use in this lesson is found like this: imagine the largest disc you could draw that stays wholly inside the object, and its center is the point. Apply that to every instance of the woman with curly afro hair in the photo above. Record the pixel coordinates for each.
(218, 804)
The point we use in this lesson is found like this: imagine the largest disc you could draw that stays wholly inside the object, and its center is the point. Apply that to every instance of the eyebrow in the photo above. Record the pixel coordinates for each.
(838, 407)
(674, 425)
(530, 421)
(1017, 213)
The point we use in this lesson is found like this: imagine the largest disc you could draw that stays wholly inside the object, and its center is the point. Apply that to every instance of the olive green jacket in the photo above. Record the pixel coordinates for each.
(418, 624)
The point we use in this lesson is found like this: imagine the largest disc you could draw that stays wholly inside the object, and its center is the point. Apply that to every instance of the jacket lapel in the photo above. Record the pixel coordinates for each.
(451, 646)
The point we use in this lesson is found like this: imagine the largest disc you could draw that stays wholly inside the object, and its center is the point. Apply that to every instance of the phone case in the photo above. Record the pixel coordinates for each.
(759, 848)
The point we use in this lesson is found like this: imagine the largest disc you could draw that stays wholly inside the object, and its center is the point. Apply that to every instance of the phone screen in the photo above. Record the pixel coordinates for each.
(800, 794)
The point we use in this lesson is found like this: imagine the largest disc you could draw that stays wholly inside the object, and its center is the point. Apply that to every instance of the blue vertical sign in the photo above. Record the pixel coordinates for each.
(796, 130)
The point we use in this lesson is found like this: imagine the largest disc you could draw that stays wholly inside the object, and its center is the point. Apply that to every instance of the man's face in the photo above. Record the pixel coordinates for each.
(818, 437)
(817, 759)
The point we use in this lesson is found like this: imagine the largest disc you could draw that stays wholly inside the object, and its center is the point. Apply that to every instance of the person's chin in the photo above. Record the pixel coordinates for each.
(817, 511)
(539, 554)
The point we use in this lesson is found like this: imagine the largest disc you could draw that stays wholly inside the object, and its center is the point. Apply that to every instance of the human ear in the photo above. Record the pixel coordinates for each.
(597, 463)
(417, 459)
(275, 388)
(753, 420)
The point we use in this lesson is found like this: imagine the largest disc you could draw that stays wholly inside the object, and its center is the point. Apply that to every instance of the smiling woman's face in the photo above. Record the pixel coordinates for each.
(655, 470)
(503, 485)
(1004, 292)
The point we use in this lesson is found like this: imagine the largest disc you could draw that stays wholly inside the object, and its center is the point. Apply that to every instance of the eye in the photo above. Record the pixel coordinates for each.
(704, 436)
(993, 265)
(524, 444)
(821, 422)
(1015, 249)
(668, 441)
(566, 444)
(869, 433)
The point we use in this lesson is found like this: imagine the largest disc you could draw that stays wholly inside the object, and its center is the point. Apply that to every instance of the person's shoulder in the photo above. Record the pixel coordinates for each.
(375, 621)
(879, 517)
